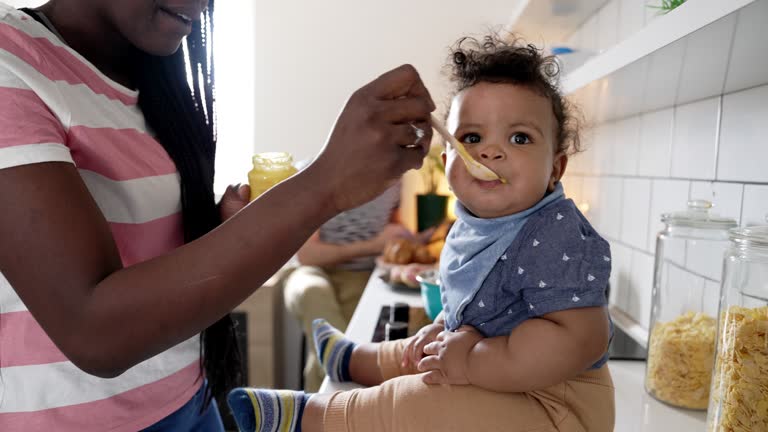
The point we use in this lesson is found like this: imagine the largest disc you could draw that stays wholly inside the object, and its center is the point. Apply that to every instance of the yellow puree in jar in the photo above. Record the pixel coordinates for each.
(268, 170)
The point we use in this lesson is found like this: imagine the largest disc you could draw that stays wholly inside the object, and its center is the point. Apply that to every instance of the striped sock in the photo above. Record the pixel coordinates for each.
(261, 410)
(333, 350)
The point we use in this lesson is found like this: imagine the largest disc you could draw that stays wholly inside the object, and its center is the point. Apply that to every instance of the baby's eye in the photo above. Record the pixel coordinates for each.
(470, 138)
(520, 138)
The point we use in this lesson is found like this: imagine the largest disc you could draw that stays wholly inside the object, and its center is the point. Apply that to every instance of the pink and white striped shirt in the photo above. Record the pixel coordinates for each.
(56, 106)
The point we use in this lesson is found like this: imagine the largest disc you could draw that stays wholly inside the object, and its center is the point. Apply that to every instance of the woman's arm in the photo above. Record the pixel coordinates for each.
(59, 255)
(538, 353)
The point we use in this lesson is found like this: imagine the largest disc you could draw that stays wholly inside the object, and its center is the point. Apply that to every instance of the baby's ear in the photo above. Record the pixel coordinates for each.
(558, 169)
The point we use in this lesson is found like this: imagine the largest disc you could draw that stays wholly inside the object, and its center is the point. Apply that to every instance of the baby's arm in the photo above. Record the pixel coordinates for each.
(538, 353)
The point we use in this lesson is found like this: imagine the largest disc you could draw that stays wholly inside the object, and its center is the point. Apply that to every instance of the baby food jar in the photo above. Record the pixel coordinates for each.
(687, 271)
(739, 394)
(268, 170)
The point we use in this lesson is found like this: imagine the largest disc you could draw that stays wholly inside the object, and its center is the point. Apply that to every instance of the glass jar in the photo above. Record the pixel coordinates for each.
(268, 170)
(739, 394)
(681, 343)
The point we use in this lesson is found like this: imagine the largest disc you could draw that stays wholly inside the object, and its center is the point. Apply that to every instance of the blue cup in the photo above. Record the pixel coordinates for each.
(430, 292)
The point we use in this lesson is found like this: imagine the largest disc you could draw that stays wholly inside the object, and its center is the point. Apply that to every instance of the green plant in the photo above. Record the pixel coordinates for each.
(433, 170)
(667, 5)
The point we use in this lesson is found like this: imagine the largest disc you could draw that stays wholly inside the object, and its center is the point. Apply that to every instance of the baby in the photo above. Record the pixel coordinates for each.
(522, 341)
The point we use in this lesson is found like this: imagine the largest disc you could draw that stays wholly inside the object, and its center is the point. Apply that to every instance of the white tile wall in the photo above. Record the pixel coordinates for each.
(609, 216)
(667, 196)
(747, 68)
(743, 136)
(641, 283)
(694, 141)
(635, 212)
(662, 136)
(755, 208)
(621, 271)
(655, 143)
(627, 146)
(725, 197)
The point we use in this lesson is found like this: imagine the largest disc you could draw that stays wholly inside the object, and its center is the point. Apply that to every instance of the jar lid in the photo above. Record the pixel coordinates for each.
(273, 158)
(753, 235)
(698, 215)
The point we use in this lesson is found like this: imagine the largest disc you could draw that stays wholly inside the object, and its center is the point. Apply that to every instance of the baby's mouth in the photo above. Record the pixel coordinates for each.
(489, 184)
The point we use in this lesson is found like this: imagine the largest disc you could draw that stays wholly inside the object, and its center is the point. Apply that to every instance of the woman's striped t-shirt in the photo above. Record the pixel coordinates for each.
(55, 106)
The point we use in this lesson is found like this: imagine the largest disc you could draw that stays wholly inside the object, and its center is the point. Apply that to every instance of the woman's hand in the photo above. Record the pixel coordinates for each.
(414, 348)
(374, 141)
(234, 199)
(446, 362)
(389, 233)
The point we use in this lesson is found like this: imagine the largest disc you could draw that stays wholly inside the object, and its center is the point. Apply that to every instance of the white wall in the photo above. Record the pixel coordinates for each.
(234, 47)
(684, 143)
(310, 56)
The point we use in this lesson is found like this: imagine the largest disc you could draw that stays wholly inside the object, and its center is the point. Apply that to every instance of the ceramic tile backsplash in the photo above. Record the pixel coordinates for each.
(635, 212)
(662, 136)
(640, 283)
(694, 141)
(755, 208)
(655, 143)
(621, 271)
(667, 196)
(725, 197)
(626, 146)
(743, 135)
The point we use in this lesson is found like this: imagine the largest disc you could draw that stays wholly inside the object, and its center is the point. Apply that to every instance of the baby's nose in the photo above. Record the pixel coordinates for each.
(491, 152)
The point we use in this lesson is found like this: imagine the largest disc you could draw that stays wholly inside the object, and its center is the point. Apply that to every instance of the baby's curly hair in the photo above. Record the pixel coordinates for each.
(510, 60)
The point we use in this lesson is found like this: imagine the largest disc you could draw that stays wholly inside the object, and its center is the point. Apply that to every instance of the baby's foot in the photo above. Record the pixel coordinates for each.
(333, 349)
(261, 410)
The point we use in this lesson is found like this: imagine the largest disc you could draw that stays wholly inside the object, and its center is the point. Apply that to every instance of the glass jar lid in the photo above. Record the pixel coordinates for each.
(753, 235)
(698, 215)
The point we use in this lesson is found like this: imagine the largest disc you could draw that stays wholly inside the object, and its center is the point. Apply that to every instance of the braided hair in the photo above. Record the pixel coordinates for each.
(183, 120)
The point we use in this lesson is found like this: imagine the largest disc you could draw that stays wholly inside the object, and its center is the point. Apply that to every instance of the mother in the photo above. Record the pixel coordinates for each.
(113, 255)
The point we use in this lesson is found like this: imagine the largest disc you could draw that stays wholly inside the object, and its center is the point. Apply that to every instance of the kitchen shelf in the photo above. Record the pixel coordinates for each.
(552, 20)
(701, 50)
(677, 24)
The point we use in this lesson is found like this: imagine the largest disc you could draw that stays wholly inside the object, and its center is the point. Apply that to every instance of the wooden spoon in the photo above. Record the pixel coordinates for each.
(475, 168)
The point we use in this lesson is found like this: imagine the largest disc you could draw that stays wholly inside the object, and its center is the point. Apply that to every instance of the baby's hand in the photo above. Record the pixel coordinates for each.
(446, 361)
(414, 349)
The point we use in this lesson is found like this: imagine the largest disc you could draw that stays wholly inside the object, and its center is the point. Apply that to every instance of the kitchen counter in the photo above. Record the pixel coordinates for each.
(635, 410)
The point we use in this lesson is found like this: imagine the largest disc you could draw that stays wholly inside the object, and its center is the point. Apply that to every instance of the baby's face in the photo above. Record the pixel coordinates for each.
(511, 130)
